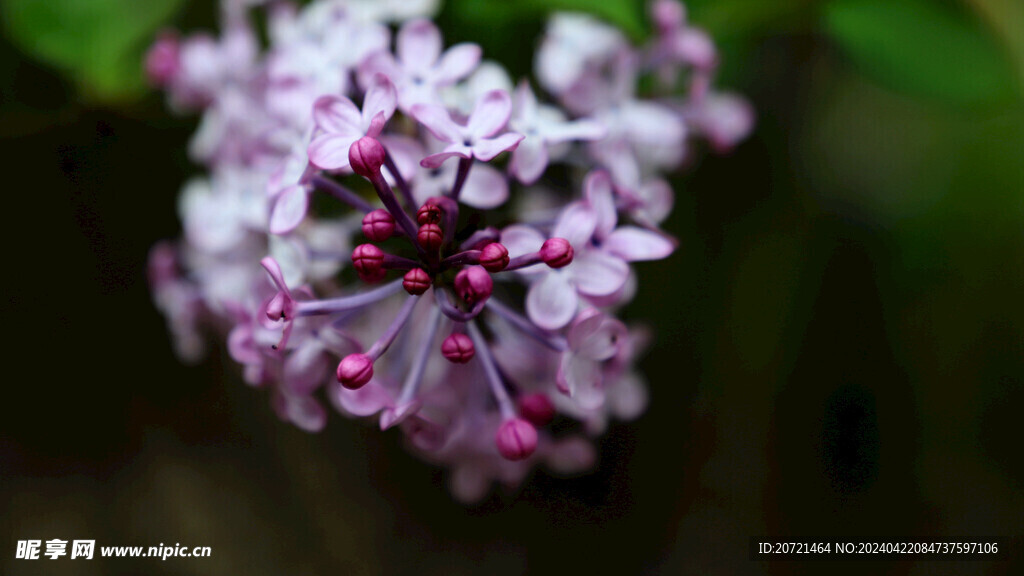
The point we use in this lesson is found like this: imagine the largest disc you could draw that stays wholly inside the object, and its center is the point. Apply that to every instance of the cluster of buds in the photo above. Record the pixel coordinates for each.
(400, 232)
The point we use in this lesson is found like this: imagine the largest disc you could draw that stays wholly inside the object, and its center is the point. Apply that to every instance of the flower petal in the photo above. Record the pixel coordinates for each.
(576, 224)
(365, 401)
(632, 244)
(519, 240)
(490, 114)
(305, 367)
(435, 160)
(597, 273)
(380, 98)
(436, 119)
(485, 188)
(598, 190)
(456, 63)
(486, 149)
(418, 45)
(337, 115)
(551, 302)
(330, 152)
(583, 380)
(289, 209)
(529, 160)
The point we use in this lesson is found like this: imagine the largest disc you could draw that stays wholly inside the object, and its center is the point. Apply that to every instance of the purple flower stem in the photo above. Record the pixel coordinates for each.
(341, 193)
(461, 259)
(483, 352)
(481, 238)
(381, 345)
(346, 303)
(460, 177)
(403, 186)
(412, 381)
(523, 261)
(553, 341)
(451, 311)
(392, 262)
(387, 196)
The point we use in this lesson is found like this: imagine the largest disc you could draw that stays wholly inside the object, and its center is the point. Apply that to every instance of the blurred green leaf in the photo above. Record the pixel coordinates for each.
(99, 43)
(920, 47)
(627, 15)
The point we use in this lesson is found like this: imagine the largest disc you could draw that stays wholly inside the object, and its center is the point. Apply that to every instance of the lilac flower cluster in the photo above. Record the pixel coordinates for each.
(395, 229)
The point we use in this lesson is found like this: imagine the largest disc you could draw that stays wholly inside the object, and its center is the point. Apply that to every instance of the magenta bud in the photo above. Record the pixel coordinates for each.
(355, 370)
(368, 261)
(473, 284)
(430, 236)
(416, 281)
(494, 257)
(458, 348)
(516, 439)
(428, 214)
(668, 14)
(163, 60)
(556, 252)
(378, 225)
(537, 408)
(366, 156)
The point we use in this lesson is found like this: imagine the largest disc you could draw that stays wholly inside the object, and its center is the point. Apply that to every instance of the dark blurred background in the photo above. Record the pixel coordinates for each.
(839, 338)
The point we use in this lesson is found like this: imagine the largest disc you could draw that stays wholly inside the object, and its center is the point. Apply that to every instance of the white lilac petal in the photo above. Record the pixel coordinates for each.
(435, 160)
(635, 244)
(598, 191)
(305, 367)
(582, 380)
(437, 120)
(602, 340)
(487, 148)
(330, 151)
(485, 188)
(380, 99)
(490, 114)
(456, 63)
(289, 209)
(337, 115)
(582, 129)
(576, 224)
(597, 273)
(366, 401)
(520, 240)
(551, 302)
(418, 45)
(529, 160)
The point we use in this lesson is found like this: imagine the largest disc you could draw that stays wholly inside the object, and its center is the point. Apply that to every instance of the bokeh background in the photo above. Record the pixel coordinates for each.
(840, 338)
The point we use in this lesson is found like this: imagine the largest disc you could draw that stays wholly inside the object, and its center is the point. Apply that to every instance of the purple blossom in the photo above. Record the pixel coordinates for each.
(478, 138)
(340, 123)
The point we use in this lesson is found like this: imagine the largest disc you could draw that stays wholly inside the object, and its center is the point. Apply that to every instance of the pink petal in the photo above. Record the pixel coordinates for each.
(632, 244)
(487, 149)
(274, 270)
(485, 188)
(289, 209)
(337, 115)
(436, 119)
(519, 240)
(456, 63)
(571, 455)
(365, 401)
(584, 129)
(393, 416)
(627, 398)
(596, 273)
(551, 301)
(598, 191)
(602, 341)
(576, 224)
(529, 160)
(418, 45)
(525, 103)
(435, 160)
(583, 380)
(306, 413)
(305, 368)
(330, 152)
(490, 114)
(380, 98)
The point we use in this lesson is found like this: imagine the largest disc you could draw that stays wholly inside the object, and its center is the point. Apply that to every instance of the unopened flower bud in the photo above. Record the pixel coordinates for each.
(428, 214)
(537, 408)
(163, 60)
(556, 252)
(366, 156)
(378, 225)
(458, 348)
(516, 439)
(430, 236)
(494, 257)
(416, 281)
(473, 284)
(368, 261)
(355, 370)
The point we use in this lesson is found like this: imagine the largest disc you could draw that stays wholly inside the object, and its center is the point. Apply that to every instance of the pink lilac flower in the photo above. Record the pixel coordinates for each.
(490, 351)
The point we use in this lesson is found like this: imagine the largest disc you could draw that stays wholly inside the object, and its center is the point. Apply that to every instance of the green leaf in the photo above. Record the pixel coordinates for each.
(98, 43)
(922, 48)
